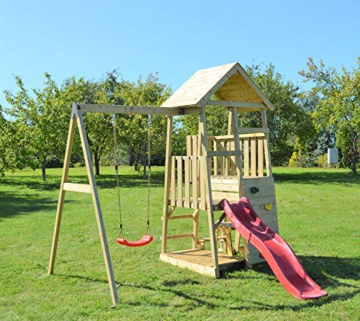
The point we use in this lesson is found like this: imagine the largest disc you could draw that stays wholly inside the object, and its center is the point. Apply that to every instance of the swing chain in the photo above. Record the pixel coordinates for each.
(149, 173)
(121, 233)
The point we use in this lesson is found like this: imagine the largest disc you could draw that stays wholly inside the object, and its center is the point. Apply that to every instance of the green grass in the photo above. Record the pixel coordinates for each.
(319, 216)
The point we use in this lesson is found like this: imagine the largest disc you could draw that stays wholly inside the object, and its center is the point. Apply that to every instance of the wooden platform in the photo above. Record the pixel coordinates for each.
(200, 261)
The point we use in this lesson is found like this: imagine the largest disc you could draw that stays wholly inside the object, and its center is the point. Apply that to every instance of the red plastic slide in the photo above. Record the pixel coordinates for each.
(279, 255)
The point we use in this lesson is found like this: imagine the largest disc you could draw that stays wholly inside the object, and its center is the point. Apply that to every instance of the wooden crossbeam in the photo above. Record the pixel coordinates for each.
(144, 110)
(224, 153)
(237, 104)
(82, 188)
(179, 236)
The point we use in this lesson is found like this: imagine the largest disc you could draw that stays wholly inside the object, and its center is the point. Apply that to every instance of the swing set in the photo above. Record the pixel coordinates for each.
(77, 120)
(214, 167)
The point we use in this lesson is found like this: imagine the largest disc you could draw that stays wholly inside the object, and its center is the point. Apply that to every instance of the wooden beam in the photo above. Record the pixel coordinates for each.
(144, 110)
(179, 236)
(237, 104)
(97, 208)
(224, 153)
(82, 188)
(61, 199)
(167, 181)
(209, 200)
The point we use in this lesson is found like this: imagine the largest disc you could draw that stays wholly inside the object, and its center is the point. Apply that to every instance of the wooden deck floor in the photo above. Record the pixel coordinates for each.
(200, 261)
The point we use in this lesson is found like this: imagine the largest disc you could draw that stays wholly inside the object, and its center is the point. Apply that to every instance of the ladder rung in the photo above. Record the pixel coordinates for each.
(180, 216)
(179, 236)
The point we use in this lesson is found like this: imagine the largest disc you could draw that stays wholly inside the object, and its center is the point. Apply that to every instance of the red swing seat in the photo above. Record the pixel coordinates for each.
(146, 239)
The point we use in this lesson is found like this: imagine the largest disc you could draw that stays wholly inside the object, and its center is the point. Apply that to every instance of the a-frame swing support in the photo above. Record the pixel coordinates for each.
(76, 118)
(91, 188)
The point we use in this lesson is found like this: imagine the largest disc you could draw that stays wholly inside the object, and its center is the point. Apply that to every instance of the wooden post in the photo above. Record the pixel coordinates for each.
(266, 144)
(238, 162)
(207, 180)
(167, 184)
(60, 205)
(96, 203)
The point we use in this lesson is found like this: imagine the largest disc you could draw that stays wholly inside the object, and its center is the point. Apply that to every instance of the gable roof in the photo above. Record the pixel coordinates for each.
(227, 82)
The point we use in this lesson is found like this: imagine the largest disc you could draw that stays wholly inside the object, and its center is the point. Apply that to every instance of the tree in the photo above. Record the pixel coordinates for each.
(13, 148)
(133, 129)
(289, 119)
(338, 107)
(37, 123)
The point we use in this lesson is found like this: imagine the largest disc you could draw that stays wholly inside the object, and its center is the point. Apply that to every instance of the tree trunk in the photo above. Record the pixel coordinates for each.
(353, 162)
(354, 153)
(43, 169)
(132, 157)
(97, 163)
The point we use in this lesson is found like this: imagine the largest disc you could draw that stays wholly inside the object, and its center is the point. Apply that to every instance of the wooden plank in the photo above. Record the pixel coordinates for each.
(187, 181)
(200, 261)
(260, 157)
(173, 181)
(144, 110)
(253, 156)
(227, 158)
(195, 143)
(224, 153)
(246, 156)
(203, 175)
(232, 159)
(213, 245)
(225, 187)
(82, 188)
(179, 181)
(195, 228)
(237, 147)
(266, 145)
(215, 159)
(229, 196)
(179, 236)
(176, 217)
(194, 182)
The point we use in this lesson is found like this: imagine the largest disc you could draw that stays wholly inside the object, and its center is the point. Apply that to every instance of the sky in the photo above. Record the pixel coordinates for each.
(172, 38)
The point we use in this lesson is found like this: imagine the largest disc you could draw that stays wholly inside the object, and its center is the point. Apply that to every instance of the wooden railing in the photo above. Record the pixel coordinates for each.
(254, 153)
(186, 169)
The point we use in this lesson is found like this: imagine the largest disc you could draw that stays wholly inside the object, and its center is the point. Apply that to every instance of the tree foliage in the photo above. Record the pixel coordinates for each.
(289, 119)
(338, 109)
(133, 130)
(37, 128)
(12, 146)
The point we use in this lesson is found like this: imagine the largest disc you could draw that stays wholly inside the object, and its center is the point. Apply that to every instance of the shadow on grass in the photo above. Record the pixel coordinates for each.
(314, 177)
(326, 271)
(12, 204)
(102, 181)
(169, 287)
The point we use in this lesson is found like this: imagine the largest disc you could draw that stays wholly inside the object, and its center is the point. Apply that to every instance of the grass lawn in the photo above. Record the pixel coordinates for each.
(319, 216)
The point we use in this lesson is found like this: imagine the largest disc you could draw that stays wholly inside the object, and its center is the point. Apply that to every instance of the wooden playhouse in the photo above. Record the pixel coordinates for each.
(216, 167)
